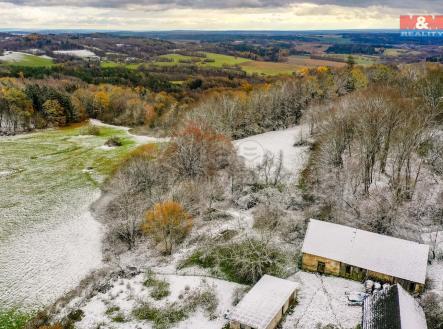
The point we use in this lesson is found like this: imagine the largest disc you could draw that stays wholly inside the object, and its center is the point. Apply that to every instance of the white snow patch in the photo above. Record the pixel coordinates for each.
(322, 299)
(106, 147)
(42, 264)
(82, 53)
(12, 56)
(137, 138)
(253, 148)
(4, 173)
(411, 314)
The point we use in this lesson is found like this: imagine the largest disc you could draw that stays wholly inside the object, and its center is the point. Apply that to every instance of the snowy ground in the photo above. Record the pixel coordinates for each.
(253, 148)
(137, 138)
(12, 56)
(78, 53)
(16, 56)
(48, 238)
(322, 300)
(126, 294)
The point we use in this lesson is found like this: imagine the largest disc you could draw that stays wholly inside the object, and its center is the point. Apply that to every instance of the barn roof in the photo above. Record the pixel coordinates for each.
(380, 253)
(262, 303)
(392, 308)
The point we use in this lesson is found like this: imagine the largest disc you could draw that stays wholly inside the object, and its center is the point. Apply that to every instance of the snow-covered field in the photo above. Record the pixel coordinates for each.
(12, 56)
(77, 53)
(49, 240)
(322, 300)
(253, 148)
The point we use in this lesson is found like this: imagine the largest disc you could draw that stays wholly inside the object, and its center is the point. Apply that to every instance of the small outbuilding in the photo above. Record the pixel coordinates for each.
(392, 308)
(265, 304)
(359, 255)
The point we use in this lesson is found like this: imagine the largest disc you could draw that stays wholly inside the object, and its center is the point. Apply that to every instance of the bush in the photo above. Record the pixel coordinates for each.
(114, 141)
(243, 262)
(433, 308)
(119, 318)
(76, 315)
(90, 129)
(167, 222)
(160, 288)
(162, 318)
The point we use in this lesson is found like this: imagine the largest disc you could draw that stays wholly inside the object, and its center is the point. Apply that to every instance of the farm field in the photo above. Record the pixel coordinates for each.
(358, 59)
(219, 60)
(293, 64)
(396, 52)
(48, 237)
(22, 59)
(112, 64)
(306, 61)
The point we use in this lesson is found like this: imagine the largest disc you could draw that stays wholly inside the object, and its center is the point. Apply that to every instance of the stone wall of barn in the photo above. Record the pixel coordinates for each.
(332, 267)
(310, 263)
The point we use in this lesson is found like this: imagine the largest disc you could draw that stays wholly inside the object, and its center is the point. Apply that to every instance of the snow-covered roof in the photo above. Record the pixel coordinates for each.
(380, 253)
(262, 303)
(392, 308)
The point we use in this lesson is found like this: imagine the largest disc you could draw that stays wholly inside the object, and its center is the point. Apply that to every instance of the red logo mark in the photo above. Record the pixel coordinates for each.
(423, 22)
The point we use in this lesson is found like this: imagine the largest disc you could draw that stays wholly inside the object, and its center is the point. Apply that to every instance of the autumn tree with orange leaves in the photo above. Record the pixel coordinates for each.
(199, 152)
(167, 223)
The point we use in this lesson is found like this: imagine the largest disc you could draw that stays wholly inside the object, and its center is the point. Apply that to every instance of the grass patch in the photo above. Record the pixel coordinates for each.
(112, 310)
(119, 318)
(160, 288)
(112, 64)
(13, 319)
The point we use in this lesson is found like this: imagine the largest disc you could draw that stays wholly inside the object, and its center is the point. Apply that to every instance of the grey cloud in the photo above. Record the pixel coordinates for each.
(434, 6)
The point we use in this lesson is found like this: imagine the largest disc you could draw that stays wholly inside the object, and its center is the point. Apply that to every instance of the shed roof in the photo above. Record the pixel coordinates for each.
(392, 308)
(380, 253)
(262, 303)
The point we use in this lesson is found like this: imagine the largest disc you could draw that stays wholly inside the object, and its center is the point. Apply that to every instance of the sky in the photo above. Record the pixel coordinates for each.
(155, 15)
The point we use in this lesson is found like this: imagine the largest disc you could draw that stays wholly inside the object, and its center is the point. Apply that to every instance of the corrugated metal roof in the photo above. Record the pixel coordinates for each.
(263, 302)
(380, 253)
(392, 308)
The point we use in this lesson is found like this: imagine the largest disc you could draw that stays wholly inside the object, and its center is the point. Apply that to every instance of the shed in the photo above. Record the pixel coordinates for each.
(356, 254)
(265, 304)
(392, 308)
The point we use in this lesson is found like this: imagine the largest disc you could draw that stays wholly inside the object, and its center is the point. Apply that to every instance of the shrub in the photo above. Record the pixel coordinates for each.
(160, 290)
(112, 309)
(114, 141)
(167, 222)
(90, 129)
(433, 308)
(76, 315)
(162, 318)
(120, 318)
(243, 262)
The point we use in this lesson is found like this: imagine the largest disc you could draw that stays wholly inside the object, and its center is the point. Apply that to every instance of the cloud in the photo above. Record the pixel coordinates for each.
(422, 5)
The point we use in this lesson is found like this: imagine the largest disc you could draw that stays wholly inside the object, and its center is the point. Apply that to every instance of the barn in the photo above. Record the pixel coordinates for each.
(264, 305)
(356, 254)
(392, 308)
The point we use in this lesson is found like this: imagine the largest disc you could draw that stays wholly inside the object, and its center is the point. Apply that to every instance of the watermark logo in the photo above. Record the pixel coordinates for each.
(252, 152)
(421, 25)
